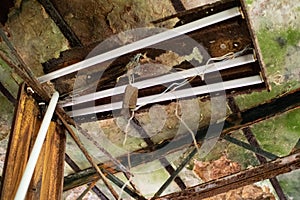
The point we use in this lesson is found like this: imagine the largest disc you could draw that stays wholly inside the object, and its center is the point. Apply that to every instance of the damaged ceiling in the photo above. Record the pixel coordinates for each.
(157, 138)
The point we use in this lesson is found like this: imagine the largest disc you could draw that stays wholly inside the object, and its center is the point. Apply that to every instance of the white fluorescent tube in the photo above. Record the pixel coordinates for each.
(164, 79)
(34, 155)
(154, 39)
(237, 83)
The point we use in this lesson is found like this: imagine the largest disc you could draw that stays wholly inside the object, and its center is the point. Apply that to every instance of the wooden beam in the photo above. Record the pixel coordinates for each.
(47, 180)
(234, 181)
(19, 144)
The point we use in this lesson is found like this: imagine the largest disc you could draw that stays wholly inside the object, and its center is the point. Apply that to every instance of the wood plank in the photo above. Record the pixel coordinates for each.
(19, 145)
(35, 184)
(47, 180)
(52, 183)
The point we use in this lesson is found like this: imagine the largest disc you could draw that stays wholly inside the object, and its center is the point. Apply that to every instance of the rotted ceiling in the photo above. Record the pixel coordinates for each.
(62, 35)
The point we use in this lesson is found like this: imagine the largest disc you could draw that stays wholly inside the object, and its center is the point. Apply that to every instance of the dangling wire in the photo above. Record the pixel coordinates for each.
(187, 127)
(127, 127)
(175, 86)
(123, 187)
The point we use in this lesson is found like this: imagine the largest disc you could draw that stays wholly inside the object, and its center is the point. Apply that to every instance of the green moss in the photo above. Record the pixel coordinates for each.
(255, 98)
(290, 183)
(249, 2)
(6, 109)
(235, 153)
(279, 135)
(273, 54)
(7, 80)
(274, 47)
(291, 121)
(274, 43)
(292, 36)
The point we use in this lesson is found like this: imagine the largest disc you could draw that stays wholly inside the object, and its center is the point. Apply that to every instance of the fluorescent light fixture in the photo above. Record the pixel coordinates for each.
(164, 79)
(154, 39)
(237, 83)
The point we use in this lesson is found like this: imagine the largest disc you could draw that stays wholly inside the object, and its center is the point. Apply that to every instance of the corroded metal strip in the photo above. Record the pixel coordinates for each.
(243, 178)
(61, 23)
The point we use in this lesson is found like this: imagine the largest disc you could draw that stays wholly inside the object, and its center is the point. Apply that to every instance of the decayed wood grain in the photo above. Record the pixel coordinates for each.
(47, 180)
(53, 165)
(19, 145)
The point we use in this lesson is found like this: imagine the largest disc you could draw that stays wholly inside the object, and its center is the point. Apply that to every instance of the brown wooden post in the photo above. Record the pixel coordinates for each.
(47, 180)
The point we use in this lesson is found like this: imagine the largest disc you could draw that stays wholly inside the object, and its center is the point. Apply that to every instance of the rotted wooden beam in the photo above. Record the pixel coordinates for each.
(243, 178)
(47, 181)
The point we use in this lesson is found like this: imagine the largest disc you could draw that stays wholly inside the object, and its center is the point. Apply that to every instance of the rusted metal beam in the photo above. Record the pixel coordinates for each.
(7, 94)
(276, 106)
(76, 168)
(243, 178)
(254, 149)
(168, 167)
(253, 142)
(275, 183)
(175, 173)
(47, 180)
(178, 5)
(61, 23)
(296, 148)
(198, 12)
